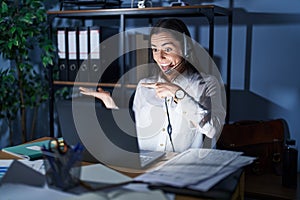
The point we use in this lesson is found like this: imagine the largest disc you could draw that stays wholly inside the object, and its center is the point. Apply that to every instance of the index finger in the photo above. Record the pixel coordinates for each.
(149, 85)
(82, 89)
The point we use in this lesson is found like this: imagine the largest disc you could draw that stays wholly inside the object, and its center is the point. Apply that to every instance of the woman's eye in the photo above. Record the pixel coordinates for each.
(168, 50)
(154, 50)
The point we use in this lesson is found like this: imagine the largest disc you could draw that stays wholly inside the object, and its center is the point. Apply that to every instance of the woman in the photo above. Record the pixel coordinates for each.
(176, 108)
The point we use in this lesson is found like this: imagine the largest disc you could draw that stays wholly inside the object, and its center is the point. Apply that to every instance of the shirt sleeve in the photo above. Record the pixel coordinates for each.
(205, 111)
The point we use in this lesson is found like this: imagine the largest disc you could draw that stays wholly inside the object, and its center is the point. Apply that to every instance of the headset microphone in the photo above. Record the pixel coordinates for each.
(169, 71)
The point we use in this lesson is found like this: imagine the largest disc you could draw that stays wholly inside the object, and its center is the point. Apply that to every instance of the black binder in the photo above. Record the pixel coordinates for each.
(72, 47)
(83, 73)
(110, 54)
(62, 40)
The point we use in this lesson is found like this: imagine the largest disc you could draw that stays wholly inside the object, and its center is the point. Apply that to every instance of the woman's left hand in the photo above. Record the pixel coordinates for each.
(101, 94)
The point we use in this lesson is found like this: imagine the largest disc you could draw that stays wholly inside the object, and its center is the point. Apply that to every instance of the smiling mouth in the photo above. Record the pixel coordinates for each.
(166, 67)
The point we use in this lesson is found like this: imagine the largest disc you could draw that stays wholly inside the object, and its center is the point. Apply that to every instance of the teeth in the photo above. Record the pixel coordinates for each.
(164, 65)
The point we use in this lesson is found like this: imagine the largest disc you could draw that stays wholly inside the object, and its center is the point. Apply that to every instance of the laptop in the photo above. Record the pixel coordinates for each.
(109, 136)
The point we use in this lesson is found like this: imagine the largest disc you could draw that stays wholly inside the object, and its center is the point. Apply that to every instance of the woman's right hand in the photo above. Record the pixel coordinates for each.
(101, 94)
(162, 90)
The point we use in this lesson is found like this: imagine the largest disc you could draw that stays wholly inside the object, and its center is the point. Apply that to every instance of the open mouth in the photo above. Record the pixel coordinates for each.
(166, 67)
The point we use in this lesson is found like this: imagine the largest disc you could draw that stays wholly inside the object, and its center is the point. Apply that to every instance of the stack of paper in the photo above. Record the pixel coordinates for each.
(198, 169)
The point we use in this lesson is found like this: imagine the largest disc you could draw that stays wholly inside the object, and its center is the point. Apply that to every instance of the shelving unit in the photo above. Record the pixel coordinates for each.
(122, 14)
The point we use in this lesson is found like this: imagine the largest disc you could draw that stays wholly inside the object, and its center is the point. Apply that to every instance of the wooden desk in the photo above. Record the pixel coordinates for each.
(236, 191)
(269, 187)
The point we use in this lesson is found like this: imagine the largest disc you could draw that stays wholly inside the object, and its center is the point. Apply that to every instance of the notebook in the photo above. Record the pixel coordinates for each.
(29, 151)
(109, 136)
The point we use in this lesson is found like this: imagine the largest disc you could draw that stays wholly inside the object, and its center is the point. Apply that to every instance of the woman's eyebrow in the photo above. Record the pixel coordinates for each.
(164, 44)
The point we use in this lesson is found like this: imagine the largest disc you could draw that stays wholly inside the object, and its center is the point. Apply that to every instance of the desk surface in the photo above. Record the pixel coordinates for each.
(231, 186)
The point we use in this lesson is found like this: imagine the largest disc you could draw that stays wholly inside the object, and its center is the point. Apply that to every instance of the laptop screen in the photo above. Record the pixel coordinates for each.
(109, 135)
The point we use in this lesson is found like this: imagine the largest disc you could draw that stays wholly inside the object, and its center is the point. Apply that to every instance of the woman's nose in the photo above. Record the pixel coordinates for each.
(162, 54)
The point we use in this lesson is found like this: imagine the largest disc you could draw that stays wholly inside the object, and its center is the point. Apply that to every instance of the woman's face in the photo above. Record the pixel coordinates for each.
(168, 54)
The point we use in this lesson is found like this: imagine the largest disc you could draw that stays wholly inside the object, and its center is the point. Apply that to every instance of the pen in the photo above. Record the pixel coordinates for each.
(74, 156)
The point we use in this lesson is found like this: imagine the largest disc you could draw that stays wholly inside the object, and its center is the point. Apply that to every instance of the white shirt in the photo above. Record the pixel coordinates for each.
(187, 117)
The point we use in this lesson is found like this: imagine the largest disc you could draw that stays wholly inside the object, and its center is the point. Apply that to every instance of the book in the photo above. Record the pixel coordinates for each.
(30, 151)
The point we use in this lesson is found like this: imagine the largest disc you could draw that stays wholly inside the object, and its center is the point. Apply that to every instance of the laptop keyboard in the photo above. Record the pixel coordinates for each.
(147, 157)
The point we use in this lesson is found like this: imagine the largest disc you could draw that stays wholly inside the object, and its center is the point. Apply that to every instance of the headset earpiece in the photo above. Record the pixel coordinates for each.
(185, 47)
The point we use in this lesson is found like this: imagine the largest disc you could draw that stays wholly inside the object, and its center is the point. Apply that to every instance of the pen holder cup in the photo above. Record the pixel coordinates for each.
(62, 170)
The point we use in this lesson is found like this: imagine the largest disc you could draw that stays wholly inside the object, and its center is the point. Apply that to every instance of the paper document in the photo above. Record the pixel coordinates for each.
(223, 173)
(102, 174)
(193, 166)
(121, 194)
(21, 192)
(37, 165)
(190, 167)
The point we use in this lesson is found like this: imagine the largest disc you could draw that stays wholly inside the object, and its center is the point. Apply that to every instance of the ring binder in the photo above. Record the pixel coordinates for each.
(94, 54)
(62, 51)
(83, 54)
(72, 47)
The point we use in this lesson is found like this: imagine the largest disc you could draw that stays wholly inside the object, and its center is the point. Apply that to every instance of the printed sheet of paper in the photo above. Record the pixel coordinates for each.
(21, 192)
(190, 167)
(37, 165)
(223, 173)
(121, 194)
(100, 173)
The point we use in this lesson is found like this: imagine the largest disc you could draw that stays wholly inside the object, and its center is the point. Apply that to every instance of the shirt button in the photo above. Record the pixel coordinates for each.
(161, 145)
(184, 112)
(163, 129)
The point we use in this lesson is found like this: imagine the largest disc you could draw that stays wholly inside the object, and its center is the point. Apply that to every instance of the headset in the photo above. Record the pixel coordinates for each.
(186, 47)
(186, 54)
